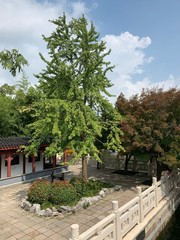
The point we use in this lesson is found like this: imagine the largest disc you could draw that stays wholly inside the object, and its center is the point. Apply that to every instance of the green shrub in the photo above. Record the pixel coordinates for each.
(89, 188)
(62, 192)
(46, 205)
(39, 191)
(94, 186)
(80, 185)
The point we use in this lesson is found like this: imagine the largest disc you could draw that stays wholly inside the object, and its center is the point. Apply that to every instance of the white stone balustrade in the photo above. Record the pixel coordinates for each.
(123, 219)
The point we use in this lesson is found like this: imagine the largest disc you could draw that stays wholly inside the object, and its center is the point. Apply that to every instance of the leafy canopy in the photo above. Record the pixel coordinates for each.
(151, 123)
(74, 92)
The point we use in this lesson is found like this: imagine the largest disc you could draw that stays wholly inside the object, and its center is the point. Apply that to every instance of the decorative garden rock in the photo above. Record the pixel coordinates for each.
(102, 194)
(117, 188)
(26, 205)
(41, 213)
(36, 208)
(48, 213)
(95, 199)
(64, 210)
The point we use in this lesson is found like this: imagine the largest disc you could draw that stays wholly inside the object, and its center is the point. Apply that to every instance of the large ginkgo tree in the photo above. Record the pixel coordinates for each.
(74, 93)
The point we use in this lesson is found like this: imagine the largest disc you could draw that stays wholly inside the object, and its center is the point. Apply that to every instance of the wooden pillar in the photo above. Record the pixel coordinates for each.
(44, 162)
(9, 158)
(33, 163)
(24, 164)
(0, 166)
(54, 161)
(65, 156)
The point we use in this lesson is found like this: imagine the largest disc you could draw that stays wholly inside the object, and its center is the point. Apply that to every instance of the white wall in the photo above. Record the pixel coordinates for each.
(38, 165)
(18, 169)
(15, 169)
(28, 168)
(3, 168)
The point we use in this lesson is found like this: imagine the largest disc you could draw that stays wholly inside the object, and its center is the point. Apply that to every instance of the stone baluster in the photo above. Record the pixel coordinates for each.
(115, 208)
(140, 204)
(154, 180)
(74, 232)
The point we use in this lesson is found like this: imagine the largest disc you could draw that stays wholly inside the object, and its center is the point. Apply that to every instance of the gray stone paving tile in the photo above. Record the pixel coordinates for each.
(25, 237)
(33, 234)
(48, 233)
(42, 229)
(27, 231)
(36, 226)
(56, 237)
(40, 237)
(19, 235)
(64, 232)
(11, 238)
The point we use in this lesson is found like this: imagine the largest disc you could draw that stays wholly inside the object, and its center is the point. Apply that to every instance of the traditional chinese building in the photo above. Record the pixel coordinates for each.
(13, 161)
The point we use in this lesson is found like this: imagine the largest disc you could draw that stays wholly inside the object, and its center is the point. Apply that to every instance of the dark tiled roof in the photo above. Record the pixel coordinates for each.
(13, 142)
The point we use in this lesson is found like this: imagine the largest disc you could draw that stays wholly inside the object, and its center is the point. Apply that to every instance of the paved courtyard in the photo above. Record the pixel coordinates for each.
(16, 223)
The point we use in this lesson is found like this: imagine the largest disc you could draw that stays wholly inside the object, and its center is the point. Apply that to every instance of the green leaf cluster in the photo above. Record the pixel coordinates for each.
(74, 110)
(12, 60)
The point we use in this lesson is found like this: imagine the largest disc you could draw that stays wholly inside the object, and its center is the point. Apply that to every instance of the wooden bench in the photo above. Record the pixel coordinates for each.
(61, 175)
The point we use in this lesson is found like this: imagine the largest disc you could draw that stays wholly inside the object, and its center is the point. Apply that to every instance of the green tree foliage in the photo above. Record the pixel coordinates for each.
(7, 90)
(8, 117)
(12, 60)
(16, 108)
(74, 86)
(10, 122)
(25, 97)
(151, 124)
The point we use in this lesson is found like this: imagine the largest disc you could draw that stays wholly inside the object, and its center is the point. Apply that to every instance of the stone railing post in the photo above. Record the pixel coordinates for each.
(154, 181)
(116, 222)
(114, 206)
(139, 190)
(74, 232)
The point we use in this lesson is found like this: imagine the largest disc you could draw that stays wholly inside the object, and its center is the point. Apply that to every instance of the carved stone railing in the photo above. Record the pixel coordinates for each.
(123, 219)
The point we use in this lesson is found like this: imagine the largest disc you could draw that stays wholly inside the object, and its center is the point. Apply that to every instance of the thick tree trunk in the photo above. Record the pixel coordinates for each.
(128, 157)
(159, 170)
(84, 168)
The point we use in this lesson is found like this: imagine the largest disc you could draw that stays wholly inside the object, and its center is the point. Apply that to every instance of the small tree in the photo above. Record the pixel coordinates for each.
(151, 124)
(12, 60)
(75, 84)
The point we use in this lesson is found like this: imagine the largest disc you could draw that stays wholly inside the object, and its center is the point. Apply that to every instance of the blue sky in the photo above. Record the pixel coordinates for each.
(157, 19)
(144, 36)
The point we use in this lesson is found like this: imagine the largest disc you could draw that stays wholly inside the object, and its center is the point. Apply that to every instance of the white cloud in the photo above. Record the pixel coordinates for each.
(22, 24)
(170, 82)
(127, 55)
(127, 52)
